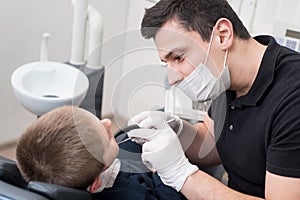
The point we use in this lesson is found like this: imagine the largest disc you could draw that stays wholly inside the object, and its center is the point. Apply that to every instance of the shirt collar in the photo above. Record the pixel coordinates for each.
(265, 74)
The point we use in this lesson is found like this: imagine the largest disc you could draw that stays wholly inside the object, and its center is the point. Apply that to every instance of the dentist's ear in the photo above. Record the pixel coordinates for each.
(96, 185)
(224, 31)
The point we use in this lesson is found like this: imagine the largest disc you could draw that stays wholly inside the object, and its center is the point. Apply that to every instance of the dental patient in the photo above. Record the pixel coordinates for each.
(71, 147)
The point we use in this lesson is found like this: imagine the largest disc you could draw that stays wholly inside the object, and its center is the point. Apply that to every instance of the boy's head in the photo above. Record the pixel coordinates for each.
(67, 146)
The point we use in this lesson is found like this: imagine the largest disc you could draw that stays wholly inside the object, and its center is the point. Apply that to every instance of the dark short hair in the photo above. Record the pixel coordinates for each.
(52, 151)
(193, 15)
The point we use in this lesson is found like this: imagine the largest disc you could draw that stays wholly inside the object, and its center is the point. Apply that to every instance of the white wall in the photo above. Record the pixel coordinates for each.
(270, 16)
(114, 13)
(142, 84)
(22, 25)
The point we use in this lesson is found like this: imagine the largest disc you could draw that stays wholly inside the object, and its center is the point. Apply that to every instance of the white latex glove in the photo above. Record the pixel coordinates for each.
(146, 120)
(162, 152)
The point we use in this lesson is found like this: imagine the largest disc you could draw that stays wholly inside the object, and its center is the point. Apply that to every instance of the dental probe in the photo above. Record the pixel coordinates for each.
(132, 127)
(127, 139)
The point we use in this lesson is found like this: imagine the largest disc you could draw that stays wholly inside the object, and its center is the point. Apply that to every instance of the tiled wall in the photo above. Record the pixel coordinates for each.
(291, 43)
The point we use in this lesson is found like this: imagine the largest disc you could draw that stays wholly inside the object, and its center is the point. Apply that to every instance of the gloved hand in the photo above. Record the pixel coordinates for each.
(162, 152)
(146, 119)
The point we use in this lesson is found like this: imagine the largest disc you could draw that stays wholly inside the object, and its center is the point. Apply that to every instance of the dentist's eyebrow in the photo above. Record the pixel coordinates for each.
(173, 53)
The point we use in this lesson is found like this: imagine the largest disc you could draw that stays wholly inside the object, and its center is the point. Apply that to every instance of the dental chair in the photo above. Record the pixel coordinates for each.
(14, 187)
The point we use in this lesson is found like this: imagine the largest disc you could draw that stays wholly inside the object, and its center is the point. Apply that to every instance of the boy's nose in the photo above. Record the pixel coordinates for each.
(107, 123)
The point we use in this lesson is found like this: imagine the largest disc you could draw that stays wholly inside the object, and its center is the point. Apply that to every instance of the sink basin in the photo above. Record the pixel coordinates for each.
(43, 86)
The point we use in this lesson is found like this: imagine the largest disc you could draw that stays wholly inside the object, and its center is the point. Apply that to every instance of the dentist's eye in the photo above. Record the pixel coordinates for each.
(179, 58)
(163, 63)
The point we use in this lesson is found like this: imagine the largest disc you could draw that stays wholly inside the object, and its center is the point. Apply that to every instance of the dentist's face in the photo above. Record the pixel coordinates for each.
(180, 49)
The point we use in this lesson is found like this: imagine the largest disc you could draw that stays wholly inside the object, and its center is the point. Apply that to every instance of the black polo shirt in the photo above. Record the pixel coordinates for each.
(262, 128)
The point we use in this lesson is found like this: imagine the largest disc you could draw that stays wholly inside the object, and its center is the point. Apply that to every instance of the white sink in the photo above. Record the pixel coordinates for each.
(43, 86)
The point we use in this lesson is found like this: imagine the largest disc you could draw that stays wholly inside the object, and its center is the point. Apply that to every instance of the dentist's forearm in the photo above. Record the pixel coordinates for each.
(199, 144)
(200, 185)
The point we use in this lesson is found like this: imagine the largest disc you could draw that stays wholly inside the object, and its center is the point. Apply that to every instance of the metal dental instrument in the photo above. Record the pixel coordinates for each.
(132, 127)
(127, 139)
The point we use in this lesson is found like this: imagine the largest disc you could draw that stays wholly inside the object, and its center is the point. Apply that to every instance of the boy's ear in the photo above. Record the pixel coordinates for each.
(96, 185)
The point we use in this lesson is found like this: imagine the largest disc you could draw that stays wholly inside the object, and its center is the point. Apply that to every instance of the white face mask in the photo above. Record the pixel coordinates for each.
(202, 85)
(109, 176)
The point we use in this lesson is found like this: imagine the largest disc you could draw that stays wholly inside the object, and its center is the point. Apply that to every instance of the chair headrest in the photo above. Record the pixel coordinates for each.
(11, 192)
(58, 192)
(10, 173)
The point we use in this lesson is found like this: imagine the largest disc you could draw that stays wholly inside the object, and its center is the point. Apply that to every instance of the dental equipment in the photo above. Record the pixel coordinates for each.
(172, 108)
(59, 84)
(124, 140)
(132, 127)
(44, 85)
(85, 16)
(84, 13)
(44, 48)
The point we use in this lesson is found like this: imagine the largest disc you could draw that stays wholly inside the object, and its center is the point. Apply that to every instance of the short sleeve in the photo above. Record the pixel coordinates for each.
(209, 112)
(283, 151)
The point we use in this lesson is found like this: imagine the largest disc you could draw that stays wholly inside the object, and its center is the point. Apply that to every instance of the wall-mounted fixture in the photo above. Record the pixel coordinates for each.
(44, 85)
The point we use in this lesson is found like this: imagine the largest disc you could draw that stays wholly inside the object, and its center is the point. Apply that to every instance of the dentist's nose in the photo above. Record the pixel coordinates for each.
(174, 76)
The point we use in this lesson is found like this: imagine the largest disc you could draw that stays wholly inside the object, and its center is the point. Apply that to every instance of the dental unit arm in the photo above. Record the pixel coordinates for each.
(172, 108)
(86, 16)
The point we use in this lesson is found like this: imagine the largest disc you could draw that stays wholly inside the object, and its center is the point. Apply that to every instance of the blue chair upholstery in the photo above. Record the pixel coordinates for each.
(11, 192)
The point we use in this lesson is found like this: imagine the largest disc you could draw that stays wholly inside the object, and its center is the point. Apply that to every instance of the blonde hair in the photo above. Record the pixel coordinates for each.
(53, 149)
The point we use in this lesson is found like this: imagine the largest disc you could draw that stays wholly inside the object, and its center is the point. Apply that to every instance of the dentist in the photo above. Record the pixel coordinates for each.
(254, 132)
